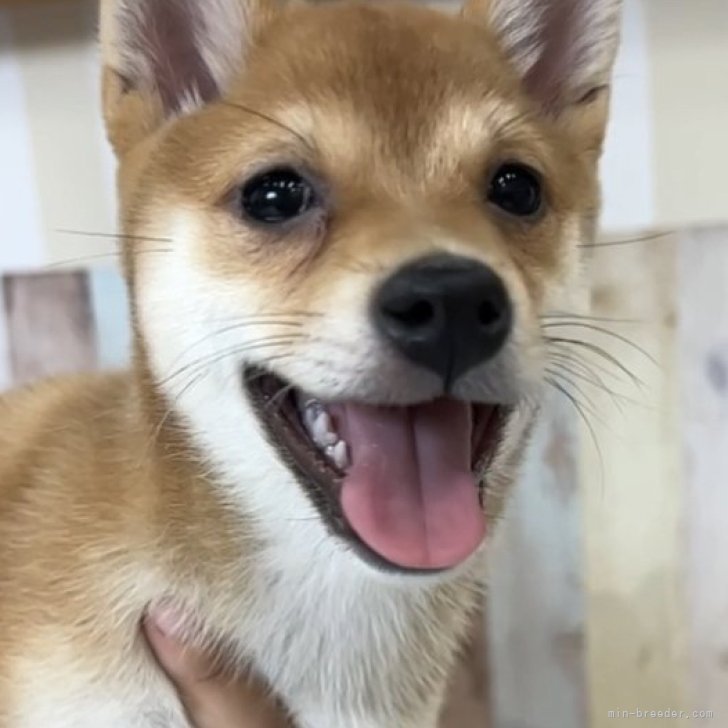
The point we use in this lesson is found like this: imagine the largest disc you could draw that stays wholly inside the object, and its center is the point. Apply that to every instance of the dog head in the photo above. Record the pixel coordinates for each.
(343, 225)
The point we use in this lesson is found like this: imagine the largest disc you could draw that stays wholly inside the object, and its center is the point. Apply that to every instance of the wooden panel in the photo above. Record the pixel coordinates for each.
(535, 604)
(50, 325)
(4, 350)
(469, 704)
(704, 361)
(633, 491)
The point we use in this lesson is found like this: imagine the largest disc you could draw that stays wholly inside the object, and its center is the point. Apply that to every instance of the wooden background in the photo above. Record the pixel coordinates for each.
(609, 580)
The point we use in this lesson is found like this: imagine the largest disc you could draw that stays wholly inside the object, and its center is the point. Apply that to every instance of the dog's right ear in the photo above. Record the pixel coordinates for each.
(163, 58)
(564, 53)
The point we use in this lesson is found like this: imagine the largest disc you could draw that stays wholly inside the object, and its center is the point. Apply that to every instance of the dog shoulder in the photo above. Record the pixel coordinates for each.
(45, 419)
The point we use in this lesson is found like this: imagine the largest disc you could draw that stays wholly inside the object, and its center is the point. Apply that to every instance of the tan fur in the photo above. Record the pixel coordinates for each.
(107, 503)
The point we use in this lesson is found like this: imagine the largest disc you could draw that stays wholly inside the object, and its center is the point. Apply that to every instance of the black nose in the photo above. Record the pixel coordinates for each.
(445, 313)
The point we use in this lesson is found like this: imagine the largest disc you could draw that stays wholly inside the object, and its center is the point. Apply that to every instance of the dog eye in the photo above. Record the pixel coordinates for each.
(516, 189)
(277, 196)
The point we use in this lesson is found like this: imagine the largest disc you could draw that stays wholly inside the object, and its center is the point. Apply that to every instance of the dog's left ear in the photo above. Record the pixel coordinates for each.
(564, 51)
(164, 58)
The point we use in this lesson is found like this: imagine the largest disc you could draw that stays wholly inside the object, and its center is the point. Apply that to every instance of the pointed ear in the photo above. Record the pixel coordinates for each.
(166, 57)
(563, 49)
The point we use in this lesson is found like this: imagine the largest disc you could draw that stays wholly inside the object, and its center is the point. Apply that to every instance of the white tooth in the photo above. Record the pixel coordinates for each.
(322, 430)
(340, 455)
(312, 404)
(309, 419)
(310, 412)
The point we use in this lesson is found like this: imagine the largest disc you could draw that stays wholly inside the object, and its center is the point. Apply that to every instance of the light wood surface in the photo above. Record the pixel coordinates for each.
(703, 336)
(50, 325)
(634, 500)
(535, 603)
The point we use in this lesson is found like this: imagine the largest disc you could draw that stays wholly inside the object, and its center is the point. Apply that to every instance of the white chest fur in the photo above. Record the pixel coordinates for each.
(345, 649)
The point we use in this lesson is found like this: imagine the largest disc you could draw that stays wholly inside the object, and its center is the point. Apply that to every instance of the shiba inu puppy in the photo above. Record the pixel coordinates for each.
(343, 224)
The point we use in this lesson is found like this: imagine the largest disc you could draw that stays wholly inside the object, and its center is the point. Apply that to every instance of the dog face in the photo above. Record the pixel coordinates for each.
(344, 223)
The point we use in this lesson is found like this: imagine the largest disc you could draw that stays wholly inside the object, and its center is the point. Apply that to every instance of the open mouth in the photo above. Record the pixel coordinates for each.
(403, 485)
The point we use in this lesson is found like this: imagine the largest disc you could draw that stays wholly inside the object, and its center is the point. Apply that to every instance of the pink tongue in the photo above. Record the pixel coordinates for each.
(410, 494)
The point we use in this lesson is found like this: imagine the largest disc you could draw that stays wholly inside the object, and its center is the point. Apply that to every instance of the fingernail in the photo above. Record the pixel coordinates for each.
(169, 621)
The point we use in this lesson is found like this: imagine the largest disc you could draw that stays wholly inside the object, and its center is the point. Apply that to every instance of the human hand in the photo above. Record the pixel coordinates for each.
(211, 698)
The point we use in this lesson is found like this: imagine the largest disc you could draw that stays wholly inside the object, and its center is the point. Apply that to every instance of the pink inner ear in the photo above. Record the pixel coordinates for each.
(561, 29)
(164, 33)
(564, 48)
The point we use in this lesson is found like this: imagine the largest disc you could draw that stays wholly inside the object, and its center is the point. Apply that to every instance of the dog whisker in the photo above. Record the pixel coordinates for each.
(269, 119)
(578, 406)
(233, 351)
(277, 400)
(247, 323)
(114, 236)
(592, 368)
(652, 237)
(584, 374)
(186, 388)
(504, 130)
(586, 402)
(113, 255)
(565, 316)
(359, 266)
(591, 371)
(598, 351)
(565, 377)
(606, 332)
(297, 316)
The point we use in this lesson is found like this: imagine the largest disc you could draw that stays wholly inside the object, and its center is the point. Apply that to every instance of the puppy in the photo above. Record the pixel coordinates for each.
(343, 224)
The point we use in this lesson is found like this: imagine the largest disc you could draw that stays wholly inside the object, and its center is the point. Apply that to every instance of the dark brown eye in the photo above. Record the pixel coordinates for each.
(516, 189)
(277, 196)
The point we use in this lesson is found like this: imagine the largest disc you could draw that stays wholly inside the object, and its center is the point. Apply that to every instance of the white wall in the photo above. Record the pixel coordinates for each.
(689, 81)
(61, 175)
(628, 165)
